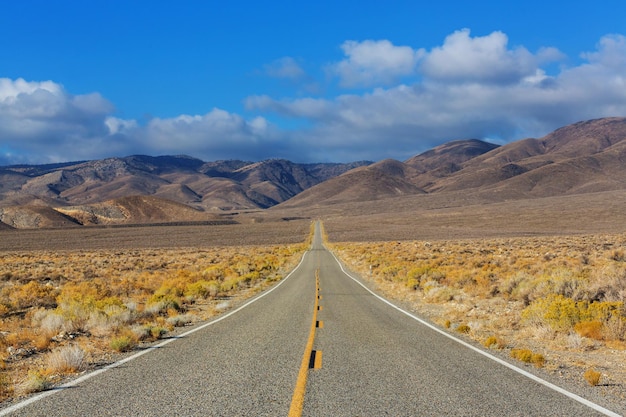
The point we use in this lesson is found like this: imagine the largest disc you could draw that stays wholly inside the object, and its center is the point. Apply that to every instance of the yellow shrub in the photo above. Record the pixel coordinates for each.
(213, 272)
(172, 287)
(105, 304)
(229, 284)
(463, 328)
(494, 342)
(524, 355)
(203, 289)
(390, 272)
(528, 356)
(558, 312)
(603, 311)
(490, 341)
(159, 304)
(84, 291)
(33, 294)
(418, 272)
(35, 381)
(413, 283)
(592, 376)
(42, 341)
(537, 359)
(590, 329)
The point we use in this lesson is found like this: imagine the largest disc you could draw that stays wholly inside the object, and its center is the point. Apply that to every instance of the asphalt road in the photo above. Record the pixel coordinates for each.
(376, 361)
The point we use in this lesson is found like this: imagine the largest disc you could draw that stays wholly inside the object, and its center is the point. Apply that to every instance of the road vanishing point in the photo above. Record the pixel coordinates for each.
(318, 343)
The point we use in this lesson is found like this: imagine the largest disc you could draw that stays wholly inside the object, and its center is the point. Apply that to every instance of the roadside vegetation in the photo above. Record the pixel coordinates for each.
(555, 302)
(62, 312)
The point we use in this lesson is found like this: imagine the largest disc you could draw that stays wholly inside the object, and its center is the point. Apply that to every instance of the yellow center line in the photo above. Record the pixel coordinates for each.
(297, 400)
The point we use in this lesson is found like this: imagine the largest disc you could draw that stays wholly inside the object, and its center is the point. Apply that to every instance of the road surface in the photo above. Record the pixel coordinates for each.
(371, 360)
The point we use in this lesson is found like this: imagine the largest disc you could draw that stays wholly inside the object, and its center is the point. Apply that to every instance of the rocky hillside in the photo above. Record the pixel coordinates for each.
(221, 185)
(583, 157)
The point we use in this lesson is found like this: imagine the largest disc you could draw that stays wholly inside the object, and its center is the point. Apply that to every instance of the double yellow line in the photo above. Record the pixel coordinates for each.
(310, 359)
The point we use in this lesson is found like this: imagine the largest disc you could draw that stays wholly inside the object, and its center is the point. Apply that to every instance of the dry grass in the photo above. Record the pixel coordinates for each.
(63, 310)
(558, 301)
(66, 360)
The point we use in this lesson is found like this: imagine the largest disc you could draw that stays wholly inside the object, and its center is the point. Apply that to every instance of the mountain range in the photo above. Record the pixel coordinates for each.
(581, 158)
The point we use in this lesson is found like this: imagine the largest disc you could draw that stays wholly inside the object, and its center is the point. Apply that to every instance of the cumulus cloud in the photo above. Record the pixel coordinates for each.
(41, 122)
(467, 87)
(371, 62)
(215, 135)
(465, 98)
(41, 118)
(484, 59)
(611, 53)
(24, 102)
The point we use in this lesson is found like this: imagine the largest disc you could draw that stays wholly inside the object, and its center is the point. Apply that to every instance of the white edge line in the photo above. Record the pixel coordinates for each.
(90, 375)
(535, 378)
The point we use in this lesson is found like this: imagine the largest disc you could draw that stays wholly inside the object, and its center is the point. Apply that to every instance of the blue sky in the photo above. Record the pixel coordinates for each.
(307, 81)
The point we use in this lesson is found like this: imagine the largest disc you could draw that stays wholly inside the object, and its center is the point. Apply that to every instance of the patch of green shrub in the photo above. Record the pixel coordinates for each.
(122, 343)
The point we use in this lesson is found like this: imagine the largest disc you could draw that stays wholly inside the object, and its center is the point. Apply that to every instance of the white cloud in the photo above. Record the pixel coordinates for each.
(40, 122)
(465, 98)
(286, 68)
(371, 62)
(42, 119)
(9, 89)
(611, 53)
(467, 88)
(484, 59)
(215, 135)
(47, 100)
(117, 125)
(34, 109)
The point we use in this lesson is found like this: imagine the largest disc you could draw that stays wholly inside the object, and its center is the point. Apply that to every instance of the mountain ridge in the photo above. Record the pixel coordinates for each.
(583, 157)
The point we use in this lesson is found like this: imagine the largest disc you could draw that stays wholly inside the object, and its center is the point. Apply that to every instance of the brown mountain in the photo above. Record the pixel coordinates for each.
(32, 217)
(583, 157)
(213, 185)
(450, 156)
(135, 210)
(578, 159)
(445, 160)
(125, 210)
(378, 181)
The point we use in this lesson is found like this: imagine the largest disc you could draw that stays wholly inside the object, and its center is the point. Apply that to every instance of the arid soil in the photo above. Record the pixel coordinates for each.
(156, 236)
